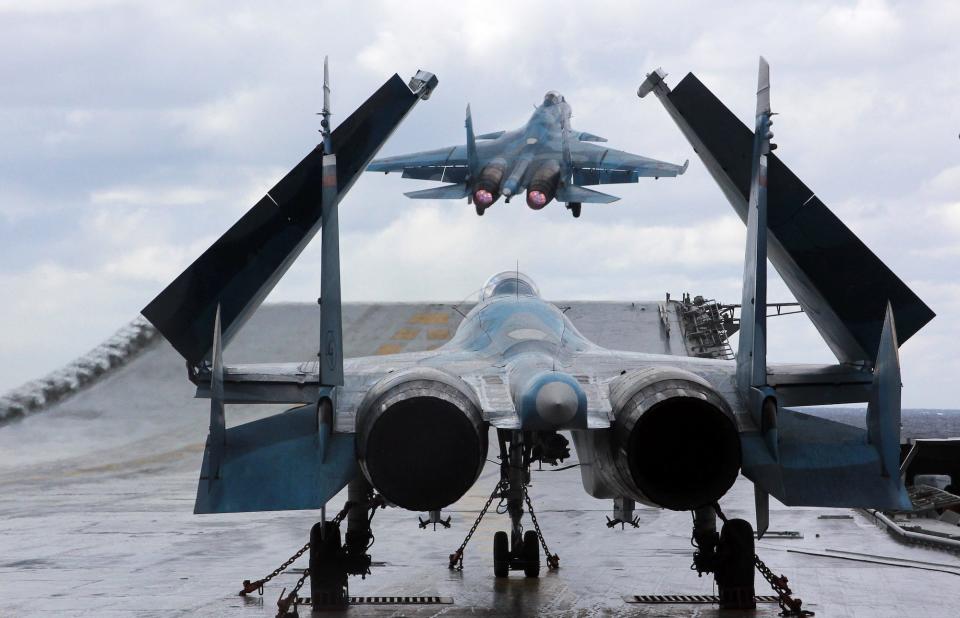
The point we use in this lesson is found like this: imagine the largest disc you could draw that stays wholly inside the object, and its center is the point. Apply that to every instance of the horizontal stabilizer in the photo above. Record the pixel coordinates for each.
(820, 463)
(590, 137)
(574, 193)
(493, 135)
(447, 192)
(273, 464)
(843, 287)
(242, 266)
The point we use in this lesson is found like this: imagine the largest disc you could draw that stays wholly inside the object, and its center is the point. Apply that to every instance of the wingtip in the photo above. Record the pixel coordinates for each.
(763, 87)
(683, 168)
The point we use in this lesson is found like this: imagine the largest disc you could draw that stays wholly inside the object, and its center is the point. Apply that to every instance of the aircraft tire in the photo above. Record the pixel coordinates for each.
(501, 554)
(480, 209)
(328, 581)
(735, 573)
(531, 554)
(575, 209)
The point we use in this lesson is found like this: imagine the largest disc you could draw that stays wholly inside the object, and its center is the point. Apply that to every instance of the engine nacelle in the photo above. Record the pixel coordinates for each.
(674, 442)
(486, 189)
(421, 440)
(543, 184)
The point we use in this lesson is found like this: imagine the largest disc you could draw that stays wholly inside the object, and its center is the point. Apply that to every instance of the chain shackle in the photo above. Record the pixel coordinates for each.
(249, 586)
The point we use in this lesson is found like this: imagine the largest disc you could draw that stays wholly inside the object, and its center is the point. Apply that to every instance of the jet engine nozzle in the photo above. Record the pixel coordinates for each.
(675, 437)
(537, 199)
(543, 184)
(486, 190)
(483, 198)
(421, 440)
(674, 442)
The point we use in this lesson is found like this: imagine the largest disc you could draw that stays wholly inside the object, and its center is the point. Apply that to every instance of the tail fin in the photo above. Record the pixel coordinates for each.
(473, 161)
(752, 351)
(242, 266)
(843, 287)
(883, 411)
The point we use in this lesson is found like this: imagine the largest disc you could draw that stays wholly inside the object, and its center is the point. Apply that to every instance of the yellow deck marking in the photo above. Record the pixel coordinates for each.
(429, 318)
(390, 348)
(406, 334)
(438, 333)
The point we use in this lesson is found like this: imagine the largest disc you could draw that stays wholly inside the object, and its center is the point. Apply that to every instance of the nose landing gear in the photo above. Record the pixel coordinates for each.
(517, 550)
(523, 557)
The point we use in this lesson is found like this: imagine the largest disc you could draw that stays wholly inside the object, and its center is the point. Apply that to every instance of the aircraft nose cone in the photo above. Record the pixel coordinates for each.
(507, 191)
(557, 402)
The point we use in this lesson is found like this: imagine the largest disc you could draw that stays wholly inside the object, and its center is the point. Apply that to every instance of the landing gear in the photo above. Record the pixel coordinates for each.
(479, 209)
(728, 555)
(518, 550)
(517, 451)
(525, 556)
(731, 557)
(531, 554)
(574, 208)
(501, 554)
(328, 575)
(734, 574)
(331, 560)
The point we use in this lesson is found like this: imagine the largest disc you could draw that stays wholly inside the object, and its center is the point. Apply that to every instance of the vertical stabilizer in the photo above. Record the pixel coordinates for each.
(883, 411)
(566, 160)
(752, 351)
(473, 161)
(216, 438)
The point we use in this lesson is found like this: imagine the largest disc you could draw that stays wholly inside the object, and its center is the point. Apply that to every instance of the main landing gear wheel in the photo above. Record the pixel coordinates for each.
(575, 209)
(734, 574)
(531, 554)
(479, 208)
(328, 577)
(501, 554)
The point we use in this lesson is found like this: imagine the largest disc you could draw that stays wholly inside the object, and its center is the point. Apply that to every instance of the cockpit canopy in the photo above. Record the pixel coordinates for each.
(552, 98)
(510, 282)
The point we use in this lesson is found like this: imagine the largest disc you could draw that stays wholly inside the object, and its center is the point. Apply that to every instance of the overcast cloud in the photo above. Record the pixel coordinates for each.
(133, 134)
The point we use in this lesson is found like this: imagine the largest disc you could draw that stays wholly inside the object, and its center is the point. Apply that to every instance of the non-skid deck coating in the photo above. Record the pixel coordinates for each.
(96, 515)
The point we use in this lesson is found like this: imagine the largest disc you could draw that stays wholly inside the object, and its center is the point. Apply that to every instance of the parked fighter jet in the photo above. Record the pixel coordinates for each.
(410, 430)
(545, 157)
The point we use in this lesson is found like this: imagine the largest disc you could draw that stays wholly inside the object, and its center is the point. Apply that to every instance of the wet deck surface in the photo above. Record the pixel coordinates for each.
(96, 516)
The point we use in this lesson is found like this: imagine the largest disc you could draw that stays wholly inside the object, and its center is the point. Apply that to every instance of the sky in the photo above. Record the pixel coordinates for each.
(133, 134)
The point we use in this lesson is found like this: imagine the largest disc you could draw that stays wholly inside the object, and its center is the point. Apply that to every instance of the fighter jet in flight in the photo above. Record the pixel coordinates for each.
(411, 430)
(546, 158)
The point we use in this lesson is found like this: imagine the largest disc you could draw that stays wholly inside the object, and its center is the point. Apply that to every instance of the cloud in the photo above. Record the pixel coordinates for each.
(135, 133)
(866, 24)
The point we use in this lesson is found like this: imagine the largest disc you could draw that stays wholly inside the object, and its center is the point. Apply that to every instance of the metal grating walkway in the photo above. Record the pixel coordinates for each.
(390, 600)
(687, 599)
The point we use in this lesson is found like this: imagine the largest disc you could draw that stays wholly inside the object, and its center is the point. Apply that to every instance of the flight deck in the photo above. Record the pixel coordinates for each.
(99, 486)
